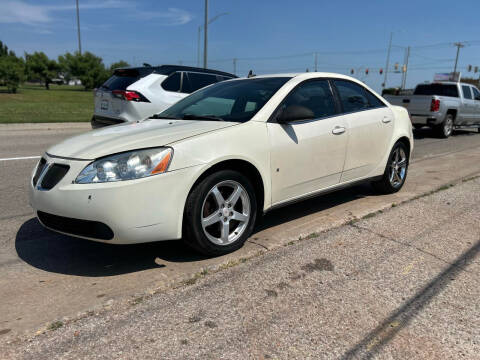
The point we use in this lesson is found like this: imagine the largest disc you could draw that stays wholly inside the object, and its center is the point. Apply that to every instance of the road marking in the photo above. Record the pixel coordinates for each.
(20, 158)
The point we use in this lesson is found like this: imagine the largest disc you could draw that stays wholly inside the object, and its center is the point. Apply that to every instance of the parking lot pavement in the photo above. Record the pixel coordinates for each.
(403, 284)
(47, 276)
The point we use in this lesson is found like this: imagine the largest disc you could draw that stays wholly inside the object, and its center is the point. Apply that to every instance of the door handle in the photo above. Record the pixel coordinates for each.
(337, 130)
(386, 120)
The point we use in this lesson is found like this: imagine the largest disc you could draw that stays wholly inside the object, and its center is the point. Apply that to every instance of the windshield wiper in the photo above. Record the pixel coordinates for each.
(201, 117)
(159, 116)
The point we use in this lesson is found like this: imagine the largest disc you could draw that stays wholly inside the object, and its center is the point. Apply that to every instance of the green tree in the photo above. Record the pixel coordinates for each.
(12, 72)
(40, 67)
(118, 64)
(12, 69)
(87, 67)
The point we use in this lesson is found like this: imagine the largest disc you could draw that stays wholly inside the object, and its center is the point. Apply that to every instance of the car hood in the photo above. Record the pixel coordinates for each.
(131, 136)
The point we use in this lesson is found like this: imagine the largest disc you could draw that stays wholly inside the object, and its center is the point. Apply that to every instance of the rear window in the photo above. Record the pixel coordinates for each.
(121, 79)
(436, 89)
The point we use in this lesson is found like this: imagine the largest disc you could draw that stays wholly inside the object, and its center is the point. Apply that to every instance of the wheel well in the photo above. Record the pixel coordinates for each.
(406, 141)
(453, 112)
(244, 167)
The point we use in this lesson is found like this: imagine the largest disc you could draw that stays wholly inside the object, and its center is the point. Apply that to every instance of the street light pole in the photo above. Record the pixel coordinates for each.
(205, 36)
(78, 28)
(198, 45)
(388, 61)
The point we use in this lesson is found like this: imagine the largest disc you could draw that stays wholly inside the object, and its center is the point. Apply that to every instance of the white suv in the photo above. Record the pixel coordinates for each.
(132, 94)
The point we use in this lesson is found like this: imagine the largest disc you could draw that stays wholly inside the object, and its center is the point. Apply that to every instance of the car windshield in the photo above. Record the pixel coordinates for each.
(234, 100)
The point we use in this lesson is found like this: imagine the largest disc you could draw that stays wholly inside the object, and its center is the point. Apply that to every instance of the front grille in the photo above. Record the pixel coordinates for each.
(54, 174)
(40, 167)
(86, 228)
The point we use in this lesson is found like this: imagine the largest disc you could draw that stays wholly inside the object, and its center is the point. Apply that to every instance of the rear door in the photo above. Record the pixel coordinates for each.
(468, 105)
(476, 99)
(197, 80)
(369, 127)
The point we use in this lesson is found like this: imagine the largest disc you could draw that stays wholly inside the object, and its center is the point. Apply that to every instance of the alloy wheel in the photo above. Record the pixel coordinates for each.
(398, 167)
(225, 212)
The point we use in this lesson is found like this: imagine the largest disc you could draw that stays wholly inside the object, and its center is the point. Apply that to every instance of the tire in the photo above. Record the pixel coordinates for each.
(207, 233)
(445, 129)
(397, 164)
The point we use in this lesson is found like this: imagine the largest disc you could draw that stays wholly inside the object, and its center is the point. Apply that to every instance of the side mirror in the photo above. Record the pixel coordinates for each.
(295, 113)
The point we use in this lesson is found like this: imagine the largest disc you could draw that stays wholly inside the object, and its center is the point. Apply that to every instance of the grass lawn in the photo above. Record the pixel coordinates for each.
(34, 104)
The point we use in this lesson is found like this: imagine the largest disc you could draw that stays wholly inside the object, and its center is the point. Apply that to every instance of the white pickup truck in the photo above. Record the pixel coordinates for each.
(443, 106)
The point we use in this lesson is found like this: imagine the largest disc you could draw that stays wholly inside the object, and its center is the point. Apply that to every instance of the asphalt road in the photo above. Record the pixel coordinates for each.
(401, 285)
(47, 276)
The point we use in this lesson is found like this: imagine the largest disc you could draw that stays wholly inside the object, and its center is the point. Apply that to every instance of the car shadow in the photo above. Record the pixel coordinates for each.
(57, 253)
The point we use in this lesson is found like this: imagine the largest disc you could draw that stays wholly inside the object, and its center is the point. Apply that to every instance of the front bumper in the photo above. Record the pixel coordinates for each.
(136, 211)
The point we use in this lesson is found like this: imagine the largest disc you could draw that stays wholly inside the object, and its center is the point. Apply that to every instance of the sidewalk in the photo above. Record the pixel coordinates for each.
(403, 284)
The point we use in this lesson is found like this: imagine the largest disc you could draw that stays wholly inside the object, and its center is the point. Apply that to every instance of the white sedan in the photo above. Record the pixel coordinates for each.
(204, 169)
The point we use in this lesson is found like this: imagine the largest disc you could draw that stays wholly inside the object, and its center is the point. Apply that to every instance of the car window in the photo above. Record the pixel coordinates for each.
(373, 101)
(352, 96)
(467, 93)
(236, 100)
(476, 93)
(121, 79)
(172, 83)
(198, 80)
(436, 89)
(314, 95)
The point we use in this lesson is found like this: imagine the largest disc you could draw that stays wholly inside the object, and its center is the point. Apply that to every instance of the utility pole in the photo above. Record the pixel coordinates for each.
(234, 66)
(459, 45)
(205, 36)
(388, 61)
(78, 28)
(316, 61)
(198, 45)
(404, 76)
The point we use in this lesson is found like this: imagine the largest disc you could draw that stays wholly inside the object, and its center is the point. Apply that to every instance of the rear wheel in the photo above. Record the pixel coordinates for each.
(220, 213)
(445, 129)
(396, 171)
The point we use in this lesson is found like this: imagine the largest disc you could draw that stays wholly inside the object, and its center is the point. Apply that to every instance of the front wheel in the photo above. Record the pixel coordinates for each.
(396, 171)
(220, 213)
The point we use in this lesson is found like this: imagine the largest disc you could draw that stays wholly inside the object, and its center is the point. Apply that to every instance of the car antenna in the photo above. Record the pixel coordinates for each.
(250, 74)
(147, 65)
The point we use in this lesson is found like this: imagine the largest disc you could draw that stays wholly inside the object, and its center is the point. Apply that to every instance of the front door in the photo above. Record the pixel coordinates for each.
(307, 155)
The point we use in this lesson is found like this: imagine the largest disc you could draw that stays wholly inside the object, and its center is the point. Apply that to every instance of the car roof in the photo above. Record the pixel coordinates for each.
(307, 75)
(170, 69)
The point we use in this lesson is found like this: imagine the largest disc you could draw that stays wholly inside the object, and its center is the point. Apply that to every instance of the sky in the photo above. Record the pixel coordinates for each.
(265, 36)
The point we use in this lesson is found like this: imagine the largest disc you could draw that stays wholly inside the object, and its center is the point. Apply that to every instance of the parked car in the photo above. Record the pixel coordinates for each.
(132, 94)
(205, 168)
(443, 106)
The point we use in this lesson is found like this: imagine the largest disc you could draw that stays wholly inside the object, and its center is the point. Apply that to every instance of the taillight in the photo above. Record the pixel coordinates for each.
(435, 106)
(129, 95)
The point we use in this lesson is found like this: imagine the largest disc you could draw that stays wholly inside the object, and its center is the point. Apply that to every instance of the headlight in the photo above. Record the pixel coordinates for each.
(127, 166)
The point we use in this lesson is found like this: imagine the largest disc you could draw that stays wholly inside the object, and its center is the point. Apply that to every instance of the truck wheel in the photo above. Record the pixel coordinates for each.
(445, 129)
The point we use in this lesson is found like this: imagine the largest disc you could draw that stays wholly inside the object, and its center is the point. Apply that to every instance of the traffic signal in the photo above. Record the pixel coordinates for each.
(469, 68)
(381, 71)
(366, 71)
(404, 68)
(475, 69)
(352, 72)
(396, 66)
